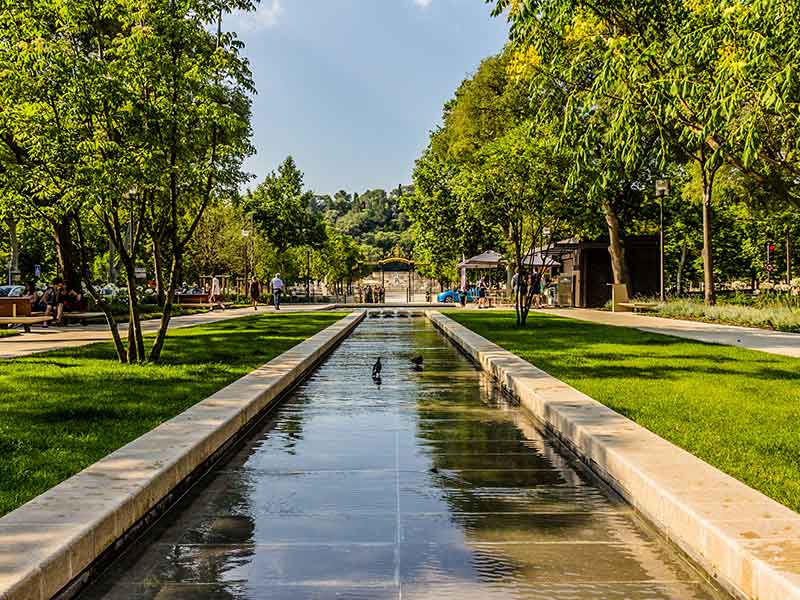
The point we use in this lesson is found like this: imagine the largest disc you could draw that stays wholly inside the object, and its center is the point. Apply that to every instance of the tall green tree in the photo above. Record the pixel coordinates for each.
(283, 211)
(126, 115)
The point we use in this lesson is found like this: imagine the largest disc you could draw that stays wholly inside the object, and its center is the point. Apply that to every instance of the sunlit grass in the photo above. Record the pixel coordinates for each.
(736, 409)
(62, 411)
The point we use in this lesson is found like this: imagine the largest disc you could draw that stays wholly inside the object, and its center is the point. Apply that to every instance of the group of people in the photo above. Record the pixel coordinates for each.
(374, 294)
(532, 283)
(58, 298)
(276, 285)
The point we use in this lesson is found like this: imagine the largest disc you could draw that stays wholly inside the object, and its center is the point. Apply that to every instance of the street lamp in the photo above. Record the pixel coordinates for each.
(662, 189)
(245, 236)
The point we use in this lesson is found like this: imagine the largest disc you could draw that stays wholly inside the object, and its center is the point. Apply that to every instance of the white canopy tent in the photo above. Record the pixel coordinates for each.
(487, 260)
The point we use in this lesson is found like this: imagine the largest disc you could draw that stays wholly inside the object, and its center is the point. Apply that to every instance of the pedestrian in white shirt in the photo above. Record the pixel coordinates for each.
(277, 290)
(215, 295)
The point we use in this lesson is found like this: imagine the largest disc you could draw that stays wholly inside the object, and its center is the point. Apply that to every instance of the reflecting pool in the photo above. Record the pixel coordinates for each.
(427, 484)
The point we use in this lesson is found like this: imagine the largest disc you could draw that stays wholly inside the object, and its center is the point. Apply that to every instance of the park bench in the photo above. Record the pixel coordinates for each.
(195, 301)
(80, 317)
(639, 306)
(17, 311)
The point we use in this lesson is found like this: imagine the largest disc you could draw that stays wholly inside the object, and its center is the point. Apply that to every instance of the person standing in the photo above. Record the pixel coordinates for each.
(277, 290)
(215, 294)
(255, 292)
(537, 289)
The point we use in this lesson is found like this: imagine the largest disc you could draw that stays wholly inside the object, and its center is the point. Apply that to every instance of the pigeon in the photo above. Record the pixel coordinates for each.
(376, 369)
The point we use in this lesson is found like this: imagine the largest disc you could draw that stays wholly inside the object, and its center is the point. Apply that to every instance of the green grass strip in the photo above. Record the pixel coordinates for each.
(8, 332)
(62, 411)
(736, 409)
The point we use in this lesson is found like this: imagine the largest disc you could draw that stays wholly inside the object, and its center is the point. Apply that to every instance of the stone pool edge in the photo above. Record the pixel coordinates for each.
(745, 540)
(48, 542)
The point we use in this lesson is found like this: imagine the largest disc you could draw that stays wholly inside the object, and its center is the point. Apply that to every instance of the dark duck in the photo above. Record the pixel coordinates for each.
(376, 369)
(417, 362)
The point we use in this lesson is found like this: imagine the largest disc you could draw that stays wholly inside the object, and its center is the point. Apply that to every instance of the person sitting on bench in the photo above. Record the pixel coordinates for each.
(31, 295)
(71, 301)
(49, 301)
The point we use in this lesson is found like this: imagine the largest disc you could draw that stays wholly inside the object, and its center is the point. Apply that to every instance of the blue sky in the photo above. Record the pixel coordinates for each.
(351, 88)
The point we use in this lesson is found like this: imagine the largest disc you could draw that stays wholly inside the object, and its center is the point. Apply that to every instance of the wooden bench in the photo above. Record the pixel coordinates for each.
(82, 317)
(17, 311)
(26, 322)
(639, 306)
(196, 305)
(194, 299)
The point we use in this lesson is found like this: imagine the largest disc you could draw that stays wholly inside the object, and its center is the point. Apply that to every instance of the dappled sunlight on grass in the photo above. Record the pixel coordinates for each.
(62, 411)
(734, 408)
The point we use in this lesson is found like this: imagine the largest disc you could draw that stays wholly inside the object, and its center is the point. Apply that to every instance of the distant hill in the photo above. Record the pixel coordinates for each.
(374, 219)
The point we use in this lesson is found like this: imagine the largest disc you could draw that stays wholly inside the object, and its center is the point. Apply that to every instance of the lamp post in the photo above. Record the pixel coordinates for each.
(662, 189)
(245, 236)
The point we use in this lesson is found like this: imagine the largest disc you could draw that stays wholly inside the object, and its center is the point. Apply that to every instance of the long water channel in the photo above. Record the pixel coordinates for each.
(429, 485)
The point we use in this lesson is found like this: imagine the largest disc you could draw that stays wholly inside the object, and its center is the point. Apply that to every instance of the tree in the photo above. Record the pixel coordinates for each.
(283, 211)
(130, 117)
(517, 184)
(662, 61)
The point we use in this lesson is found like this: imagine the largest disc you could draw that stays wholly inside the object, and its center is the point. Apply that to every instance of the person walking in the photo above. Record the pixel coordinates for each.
(255, 292)
(277, 290)
(215, 294)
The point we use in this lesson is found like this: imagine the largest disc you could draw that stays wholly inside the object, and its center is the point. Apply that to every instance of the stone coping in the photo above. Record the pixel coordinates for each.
(49, 541)
(747, 541)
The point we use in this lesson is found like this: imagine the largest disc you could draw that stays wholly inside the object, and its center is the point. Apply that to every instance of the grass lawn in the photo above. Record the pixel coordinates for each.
(8, 332)
(737, 409)
(64, 410)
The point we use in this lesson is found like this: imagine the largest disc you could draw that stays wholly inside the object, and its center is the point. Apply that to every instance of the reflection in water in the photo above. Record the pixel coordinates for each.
(430, 485)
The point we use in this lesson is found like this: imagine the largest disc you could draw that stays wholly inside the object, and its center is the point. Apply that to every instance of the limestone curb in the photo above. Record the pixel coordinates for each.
(49, 541)
(746, 540)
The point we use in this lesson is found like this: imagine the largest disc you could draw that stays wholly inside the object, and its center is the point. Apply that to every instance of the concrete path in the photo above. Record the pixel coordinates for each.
(764, 340)
(54, 338)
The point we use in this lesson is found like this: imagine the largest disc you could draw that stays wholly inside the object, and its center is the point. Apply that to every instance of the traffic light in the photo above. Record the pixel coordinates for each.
(770, 251)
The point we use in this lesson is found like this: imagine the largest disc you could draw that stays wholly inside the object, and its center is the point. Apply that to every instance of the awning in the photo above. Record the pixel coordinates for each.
(540, 258)
(488, 260)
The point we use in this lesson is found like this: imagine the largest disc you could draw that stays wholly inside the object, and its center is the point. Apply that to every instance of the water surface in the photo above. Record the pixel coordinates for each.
(429, 485)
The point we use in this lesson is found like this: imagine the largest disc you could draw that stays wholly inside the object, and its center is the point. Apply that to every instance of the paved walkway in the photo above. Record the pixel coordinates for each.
(54, 338)
(764, 340)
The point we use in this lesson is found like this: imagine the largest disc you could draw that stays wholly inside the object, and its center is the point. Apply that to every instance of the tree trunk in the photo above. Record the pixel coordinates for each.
(135, 338)
(616, 248)
(101, 302)
(13, 241)
(65, 249)
(166, 311)
(708, 253)
(788, 258)
(104, 306)
(158, 263)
